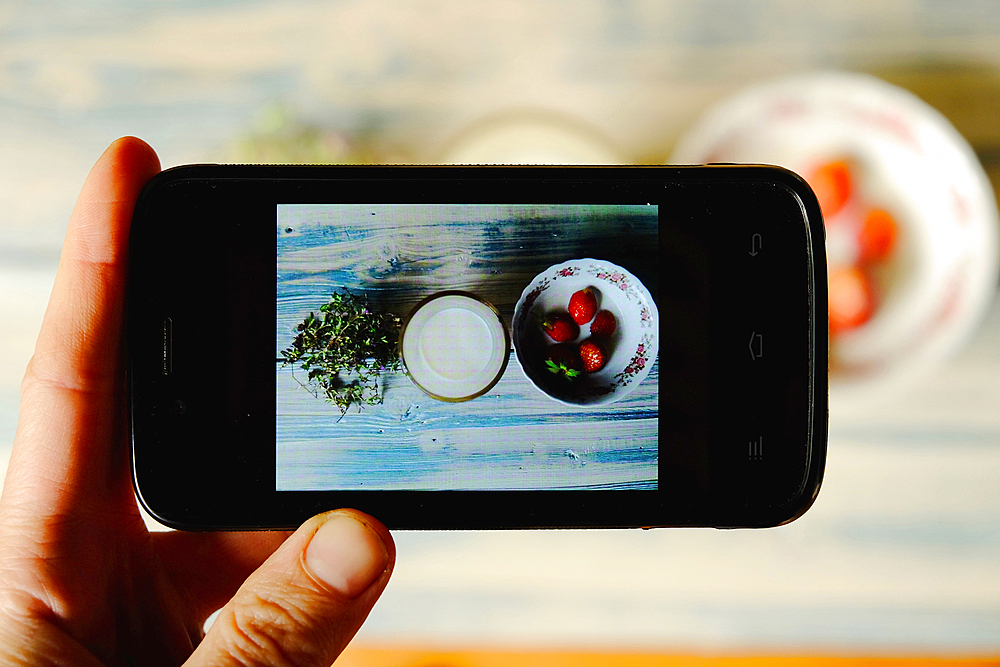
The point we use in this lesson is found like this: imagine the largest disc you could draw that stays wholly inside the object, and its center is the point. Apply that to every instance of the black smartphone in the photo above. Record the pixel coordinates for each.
(308, 338)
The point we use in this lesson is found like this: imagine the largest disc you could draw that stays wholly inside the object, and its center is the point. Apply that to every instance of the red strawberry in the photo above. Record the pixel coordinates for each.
(832, 184)
(851, 298)
(563, 360)
(560, 327)
(877, 236)
(583, 305)
(604, 324)
(593, 355)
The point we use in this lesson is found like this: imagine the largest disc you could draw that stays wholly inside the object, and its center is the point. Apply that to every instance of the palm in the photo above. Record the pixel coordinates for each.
(104, 586)
(80, 575)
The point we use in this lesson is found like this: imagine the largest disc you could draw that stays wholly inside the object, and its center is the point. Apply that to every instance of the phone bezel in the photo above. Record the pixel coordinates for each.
(200, 478)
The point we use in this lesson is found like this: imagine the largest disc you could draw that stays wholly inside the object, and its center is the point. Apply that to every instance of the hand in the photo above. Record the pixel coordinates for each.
(82, 581)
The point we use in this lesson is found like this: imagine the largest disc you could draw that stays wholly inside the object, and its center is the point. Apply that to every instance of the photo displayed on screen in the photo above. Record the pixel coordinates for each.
(466, 347)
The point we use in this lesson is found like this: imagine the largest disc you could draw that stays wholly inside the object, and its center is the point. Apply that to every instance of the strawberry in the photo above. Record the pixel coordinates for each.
(877, 237)
(583, 305)
(851, 298)
(560, 327)
(604, 324)
(593, 355)
(832, 184)
(563, 360)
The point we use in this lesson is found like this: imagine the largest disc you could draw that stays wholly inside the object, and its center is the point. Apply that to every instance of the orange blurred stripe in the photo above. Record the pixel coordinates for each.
(418, 657)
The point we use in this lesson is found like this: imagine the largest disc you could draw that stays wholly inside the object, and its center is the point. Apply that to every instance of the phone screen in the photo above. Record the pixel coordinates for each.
(513, 437)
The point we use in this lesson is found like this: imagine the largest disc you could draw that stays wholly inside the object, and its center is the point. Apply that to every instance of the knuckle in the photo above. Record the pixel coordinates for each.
(263, 630)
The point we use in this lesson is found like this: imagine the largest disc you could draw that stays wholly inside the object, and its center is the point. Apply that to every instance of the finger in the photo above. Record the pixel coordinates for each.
(71, 394)
(308, 600)
(208, 568)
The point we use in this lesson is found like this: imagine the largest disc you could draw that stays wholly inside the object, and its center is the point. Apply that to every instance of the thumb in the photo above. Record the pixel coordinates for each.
(306, 602)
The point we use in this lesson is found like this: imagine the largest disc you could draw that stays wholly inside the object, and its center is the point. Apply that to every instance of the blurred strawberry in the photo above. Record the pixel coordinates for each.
(831, 182)
(852, 298)
(877, 236)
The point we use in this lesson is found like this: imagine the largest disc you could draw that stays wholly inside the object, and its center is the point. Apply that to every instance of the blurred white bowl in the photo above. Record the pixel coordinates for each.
(529, 138)
(905, 159)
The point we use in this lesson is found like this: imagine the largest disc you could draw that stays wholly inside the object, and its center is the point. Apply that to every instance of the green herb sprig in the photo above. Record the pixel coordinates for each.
(345, 349)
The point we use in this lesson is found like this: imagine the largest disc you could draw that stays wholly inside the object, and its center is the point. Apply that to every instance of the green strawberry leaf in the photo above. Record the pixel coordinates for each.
(561, 369)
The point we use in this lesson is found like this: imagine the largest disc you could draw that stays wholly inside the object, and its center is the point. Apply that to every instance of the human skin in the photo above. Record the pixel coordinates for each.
(82, 579)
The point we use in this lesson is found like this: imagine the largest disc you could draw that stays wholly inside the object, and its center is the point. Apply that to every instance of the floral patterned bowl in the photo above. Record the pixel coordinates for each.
(631, 349)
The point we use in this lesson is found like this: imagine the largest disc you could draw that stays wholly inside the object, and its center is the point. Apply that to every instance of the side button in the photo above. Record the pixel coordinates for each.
(167, 360)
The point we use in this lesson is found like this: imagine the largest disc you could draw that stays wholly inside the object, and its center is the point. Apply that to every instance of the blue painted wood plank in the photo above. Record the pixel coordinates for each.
(512, 437)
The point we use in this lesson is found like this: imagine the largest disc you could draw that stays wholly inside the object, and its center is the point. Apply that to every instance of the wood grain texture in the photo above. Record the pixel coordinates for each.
(514, 437)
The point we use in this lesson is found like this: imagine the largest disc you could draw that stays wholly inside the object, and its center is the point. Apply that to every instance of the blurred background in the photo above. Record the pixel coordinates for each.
(900, 556)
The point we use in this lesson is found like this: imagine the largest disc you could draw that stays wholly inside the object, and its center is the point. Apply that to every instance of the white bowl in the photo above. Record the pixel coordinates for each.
(631, 349)
(454, 346)
(910, 161)
(529, 138)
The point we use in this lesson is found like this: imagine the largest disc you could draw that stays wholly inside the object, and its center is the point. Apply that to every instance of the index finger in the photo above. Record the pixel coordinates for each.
(71, 397)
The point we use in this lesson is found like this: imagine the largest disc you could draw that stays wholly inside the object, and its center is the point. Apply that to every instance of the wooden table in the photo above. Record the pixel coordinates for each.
(513, 437)
(900, 554)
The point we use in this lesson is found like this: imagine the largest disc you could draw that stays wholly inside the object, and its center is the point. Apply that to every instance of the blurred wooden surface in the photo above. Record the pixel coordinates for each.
(901, 552)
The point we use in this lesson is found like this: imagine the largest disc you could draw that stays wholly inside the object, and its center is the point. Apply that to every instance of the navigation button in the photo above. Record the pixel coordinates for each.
(755, 449)
(756, 244)
(756, 345)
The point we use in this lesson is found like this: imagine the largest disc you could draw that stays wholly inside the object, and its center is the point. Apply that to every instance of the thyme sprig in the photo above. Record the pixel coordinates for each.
(345, 349)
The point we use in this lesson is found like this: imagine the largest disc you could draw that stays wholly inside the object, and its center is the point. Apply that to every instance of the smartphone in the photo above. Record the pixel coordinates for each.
(722, 417)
